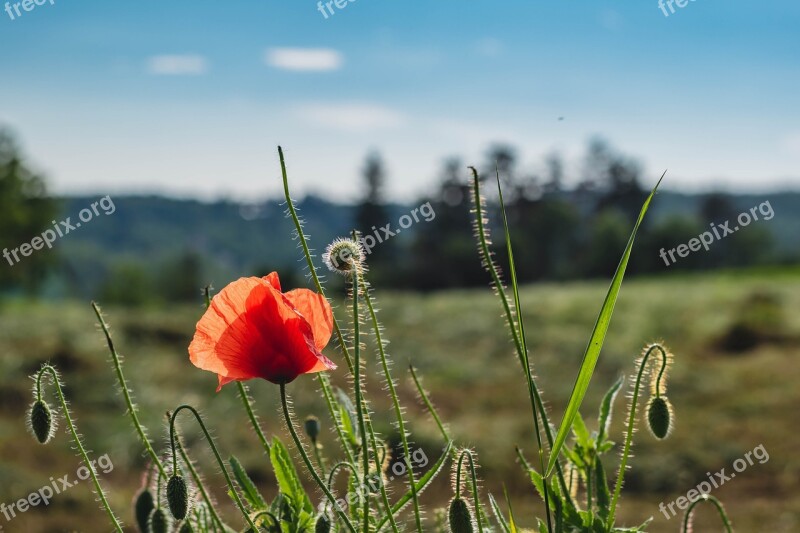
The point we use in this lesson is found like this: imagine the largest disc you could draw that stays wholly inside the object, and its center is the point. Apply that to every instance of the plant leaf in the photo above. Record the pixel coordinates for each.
(592, 353)
(498, 514)
(288, 481)
(604, 418)
(249, 489)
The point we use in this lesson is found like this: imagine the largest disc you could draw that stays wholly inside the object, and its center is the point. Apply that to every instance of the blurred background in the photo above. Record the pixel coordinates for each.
(162, 121)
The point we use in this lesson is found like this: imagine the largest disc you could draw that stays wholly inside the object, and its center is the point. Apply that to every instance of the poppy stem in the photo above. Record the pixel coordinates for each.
(48, 369)
(172, 438)
(197, 481)
(307, 460)
(474, 481)
(631, 423)
(401, 427)
(357, 385)
(123, 384)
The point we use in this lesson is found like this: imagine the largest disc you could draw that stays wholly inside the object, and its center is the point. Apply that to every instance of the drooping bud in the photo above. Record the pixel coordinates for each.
(323, 525)
(312, 427)
(40, 420)
(659, 417)
(143, 505)
(159, 522)
(344, 256)
(178, 497)
(186, 527)
(460, 516)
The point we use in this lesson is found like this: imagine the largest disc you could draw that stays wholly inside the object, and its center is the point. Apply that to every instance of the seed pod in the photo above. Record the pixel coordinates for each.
(312, 428)
(323, 525)
(143, 505)
(159, 522)
(40, 419)
(178, 497)
(659, 417)
(460, 516)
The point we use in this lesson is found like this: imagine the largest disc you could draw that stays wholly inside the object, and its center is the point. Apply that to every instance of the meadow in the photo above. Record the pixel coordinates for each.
(733, 385)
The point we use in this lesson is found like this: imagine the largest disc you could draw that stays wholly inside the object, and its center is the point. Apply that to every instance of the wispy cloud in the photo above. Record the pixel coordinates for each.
(356, 117)
(489, 47)
(304, 59)
(177, 65)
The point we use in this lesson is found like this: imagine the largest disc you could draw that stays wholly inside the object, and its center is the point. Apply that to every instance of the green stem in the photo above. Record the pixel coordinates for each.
(81, 450)
(631, 422)
(357, 385)
(307, 253)
(396, 402)
(232, 489)
(428, 404)
(318, 456)
(307, 460)
(720, 509)
(123, 384)
(198, 483)
(518, 338)
(474, 481)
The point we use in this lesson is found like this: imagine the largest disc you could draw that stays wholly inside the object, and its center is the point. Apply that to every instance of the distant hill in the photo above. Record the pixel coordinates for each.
(234, 239)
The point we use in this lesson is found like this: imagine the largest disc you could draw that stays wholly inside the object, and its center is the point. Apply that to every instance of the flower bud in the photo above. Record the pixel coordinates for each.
(312, 428)
(659, 417)
(143, 505)
(40, 419)
(178, 497)
(159, 522)
(186, 527)
(343, 256)
(460, 516)
(323, 525)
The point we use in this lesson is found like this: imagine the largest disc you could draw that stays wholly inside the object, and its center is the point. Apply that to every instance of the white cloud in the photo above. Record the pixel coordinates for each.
(177, 65)
(351, 117)
(791, 144)
(304, 59)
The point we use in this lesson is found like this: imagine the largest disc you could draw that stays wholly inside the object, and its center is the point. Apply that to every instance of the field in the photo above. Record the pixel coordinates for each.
(735, 336)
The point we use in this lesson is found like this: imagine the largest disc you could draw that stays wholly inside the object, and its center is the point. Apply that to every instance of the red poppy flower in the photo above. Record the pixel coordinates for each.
(253, 330)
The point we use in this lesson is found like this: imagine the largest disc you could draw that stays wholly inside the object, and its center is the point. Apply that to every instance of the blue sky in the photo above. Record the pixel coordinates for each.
(190, 98)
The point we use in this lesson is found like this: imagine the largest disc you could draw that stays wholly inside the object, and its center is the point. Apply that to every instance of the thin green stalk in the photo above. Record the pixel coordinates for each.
(123, 384)
(307, 460)
(720, 509)
(533, 390)
(474, 481)
(307, 253)
(328, 394)
(198, 481)
(428, 404)
(396, 402)
(231, 488)
(81, 450)
(631, 422)
(357, 386)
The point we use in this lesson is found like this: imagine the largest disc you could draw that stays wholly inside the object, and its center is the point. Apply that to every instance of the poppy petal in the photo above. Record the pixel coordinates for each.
(317, 312)
(272, 279)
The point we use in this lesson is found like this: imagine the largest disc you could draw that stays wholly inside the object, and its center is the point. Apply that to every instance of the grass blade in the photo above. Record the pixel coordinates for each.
(592, 353)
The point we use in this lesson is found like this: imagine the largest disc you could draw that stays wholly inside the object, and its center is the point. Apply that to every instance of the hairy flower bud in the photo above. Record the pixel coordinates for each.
(178, 497)
(186, 527)
(460, 516)
(40, 420)
(344, 256)
(659, 417)
(143, 505)
(159, 522)
(312, 428)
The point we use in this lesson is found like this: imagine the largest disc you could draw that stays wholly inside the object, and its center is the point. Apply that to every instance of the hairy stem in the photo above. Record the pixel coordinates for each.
(231, 488)
(631, 424)
(474, 483)
(687, 519)
(76, 438)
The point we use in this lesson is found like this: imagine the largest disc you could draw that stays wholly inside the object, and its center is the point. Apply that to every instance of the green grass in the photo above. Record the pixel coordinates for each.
(726, 402)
